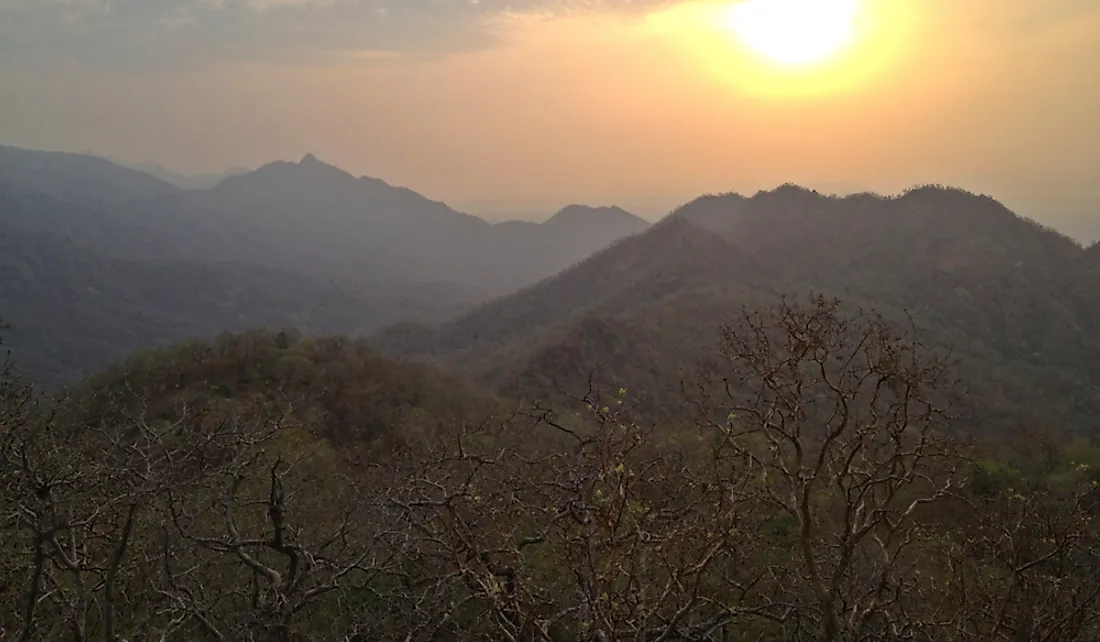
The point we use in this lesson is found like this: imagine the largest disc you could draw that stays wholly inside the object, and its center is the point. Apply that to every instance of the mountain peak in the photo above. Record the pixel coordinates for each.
(316, 166)
(279, 179)
(584, 214)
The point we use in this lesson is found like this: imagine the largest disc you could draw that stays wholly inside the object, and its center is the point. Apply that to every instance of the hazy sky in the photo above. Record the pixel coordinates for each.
(519, 106)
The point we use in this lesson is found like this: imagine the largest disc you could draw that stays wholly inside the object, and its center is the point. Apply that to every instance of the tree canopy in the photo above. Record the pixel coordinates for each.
(816, 486)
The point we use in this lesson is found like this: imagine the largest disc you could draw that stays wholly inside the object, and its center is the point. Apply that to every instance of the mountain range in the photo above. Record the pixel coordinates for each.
(84, 237)
(585, 428)
(187, 181)
(1014, 301)
(100, 260)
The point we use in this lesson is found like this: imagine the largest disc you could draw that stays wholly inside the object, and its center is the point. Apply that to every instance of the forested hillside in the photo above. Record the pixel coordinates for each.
(1012, 299)
(270, 487)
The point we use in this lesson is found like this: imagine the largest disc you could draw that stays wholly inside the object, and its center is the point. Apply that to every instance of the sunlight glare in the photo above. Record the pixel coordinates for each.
(793, 32)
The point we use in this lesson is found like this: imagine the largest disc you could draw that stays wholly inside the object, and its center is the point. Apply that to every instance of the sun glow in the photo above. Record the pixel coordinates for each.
(793, 32)
(790, 50)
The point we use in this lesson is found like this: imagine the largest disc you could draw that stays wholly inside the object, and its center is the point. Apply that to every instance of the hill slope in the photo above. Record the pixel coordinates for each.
(634, 272)
(319, 217)
(1005, 293)
(185, 181)
(307, 217)
(303, 244)
(78, 176)
(73, 310)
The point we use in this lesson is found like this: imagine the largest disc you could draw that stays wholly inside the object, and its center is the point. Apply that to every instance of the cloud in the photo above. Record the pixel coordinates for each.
(166, 34)
(263, 5)
(70, 13)
(27, 5)
(120, 34)
(188, 13)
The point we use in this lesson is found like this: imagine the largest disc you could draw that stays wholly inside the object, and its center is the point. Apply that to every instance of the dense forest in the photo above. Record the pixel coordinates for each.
(818, 483)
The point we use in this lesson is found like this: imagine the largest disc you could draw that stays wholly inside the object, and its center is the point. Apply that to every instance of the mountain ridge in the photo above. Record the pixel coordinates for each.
(397, 230)
(386, 251)
(999, 289)
(78, 175)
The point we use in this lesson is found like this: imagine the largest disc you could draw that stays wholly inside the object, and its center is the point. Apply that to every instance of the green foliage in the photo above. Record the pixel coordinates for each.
(340, 387)
(269, 486)
(992, 478)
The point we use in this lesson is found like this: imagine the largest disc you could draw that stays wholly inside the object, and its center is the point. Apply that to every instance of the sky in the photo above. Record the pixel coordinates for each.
(511, 108)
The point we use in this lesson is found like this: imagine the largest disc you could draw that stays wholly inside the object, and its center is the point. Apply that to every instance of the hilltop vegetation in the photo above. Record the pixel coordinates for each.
(331, 383)
(269, 488)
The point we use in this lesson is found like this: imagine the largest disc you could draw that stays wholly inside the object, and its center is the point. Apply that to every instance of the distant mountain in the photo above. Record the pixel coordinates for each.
(77, 176)
(608, 219)
(313, 215)
(289, 243)
(74, 311)
(314, 218)
(319, 217)
(566, 238)
(97, 260)
(635, 272)
(188, 181)
(1012, 298)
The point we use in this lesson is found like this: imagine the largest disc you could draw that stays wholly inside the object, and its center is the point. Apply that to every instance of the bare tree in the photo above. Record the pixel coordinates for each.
(589, 527)
(839, 416)
(79, 495)
(1024, 564)
(814, 489)
(290, 537)
(221, 522)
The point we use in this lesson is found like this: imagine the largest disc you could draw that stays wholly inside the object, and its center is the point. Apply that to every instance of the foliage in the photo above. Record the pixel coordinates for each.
(269, 487)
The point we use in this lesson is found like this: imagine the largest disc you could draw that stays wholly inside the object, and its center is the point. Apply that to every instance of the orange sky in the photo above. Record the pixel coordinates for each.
(644, 108)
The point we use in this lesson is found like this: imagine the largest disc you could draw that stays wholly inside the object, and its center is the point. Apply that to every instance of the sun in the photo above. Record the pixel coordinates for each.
(793, 33)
